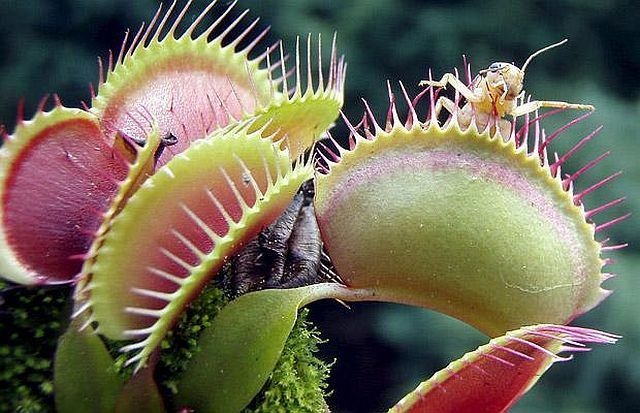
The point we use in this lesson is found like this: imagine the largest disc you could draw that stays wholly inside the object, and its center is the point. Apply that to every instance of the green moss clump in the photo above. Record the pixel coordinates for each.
(31, 320)
(299, 381)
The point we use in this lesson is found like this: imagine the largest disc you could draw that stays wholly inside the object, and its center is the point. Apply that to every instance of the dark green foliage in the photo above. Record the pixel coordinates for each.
(31, 320)
(299, 380)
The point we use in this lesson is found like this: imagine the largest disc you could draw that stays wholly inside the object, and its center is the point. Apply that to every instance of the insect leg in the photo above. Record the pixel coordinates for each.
(456, 83)
(448, 104)
(168, 140)
(537, 104)
(505, 86)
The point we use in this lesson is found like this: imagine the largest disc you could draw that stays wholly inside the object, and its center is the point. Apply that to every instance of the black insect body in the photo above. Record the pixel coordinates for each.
(286, 254)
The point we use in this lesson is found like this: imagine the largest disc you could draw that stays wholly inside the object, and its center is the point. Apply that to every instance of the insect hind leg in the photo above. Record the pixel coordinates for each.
(537, 104)
(446, 103)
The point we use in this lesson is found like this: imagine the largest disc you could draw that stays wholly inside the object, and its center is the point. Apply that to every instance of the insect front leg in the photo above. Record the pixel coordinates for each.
(537, 104)
(456, 83)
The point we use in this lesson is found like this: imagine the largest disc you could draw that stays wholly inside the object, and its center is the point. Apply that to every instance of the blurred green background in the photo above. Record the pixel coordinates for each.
(383, 351)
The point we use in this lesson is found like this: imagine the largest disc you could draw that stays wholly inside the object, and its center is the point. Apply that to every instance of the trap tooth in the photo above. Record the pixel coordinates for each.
(493, 377)
(210, 200)
(193, 85)
(300, 116)
(57, 177)
(460, 222)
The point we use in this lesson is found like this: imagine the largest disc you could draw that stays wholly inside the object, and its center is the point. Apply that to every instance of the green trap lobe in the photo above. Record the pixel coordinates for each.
(178, 229)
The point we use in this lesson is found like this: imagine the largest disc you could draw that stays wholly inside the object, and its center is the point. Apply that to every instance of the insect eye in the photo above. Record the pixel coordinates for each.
(494, 67)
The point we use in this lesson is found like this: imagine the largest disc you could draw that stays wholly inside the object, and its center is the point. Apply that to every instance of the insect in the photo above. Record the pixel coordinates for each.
(129, 145)
(495, 93)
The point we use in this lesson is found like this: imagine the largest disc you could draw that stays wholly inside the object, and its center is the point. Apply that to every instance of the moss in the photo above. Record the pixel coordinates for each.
(31, 320)
(299, 381)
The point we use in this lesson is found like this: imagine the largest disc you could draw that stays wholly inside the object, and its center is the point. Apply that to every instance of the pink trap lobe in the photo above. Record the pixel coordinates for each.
(57, 189)
(187, 99)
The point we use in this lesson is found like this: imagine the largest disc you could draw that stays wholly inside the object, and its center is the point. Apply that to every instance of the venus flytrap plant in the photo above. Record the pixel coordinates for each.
(479, 226)
(192, 85)
(141, 66)
(529, 252)
(272, 119)
(192, 147)
(267, 131)
(214, 195)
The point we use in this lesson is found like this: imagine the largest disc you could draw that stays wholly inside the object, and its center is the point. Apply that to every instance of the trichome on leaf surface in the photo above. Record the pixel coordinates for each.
(177, 225)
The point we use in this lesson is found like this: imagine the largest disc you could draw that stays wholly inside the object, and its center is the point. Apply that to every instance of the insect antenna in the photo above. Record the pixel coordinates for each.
(544, 49)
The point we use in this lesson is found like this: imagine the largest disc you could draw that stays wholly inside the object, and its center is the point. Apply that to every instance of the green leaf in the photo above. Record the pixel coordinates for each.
(241, 347)
(84, 377)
